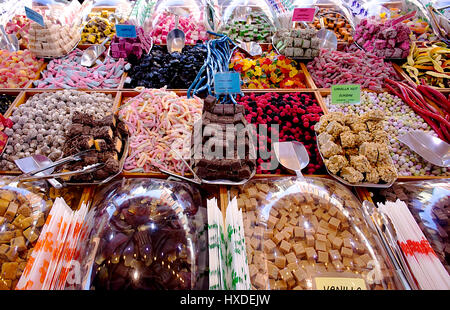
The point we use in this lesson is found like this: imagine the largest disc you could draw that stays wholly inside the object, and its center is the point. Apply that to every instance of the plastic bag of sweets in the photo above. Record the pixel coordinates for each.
(191, 20)
(23, 210)
(429, 203)
(310, 234)
(147, 234)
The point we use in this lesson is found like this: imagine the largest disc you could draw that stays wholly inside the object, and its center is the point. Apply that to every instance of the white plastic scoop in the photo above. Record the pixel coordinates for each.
(292, 155)
(328, 39)
(176, 38)
(91, 54)
(35, 162)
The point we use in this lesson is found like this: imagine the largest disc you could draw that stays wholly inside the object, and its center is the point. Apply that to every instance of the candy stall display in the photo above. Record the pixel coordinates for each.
(287, 117)
(159, 68)
(269, 70)
(18, 68)
(401, 119)
(67, 72)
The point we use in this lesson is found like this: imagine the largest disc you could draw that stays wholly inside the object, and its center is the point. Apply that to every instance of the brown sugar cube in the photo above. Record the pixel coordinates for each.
(271, 285)
(39, 218)
(269, 246)
(268, 234)
(309, 240)
(306, 210)
(366, 258)
(271, 221)
(318, 213)
(291, 258)
(310, 230)
(254, 243)
(2, 220)
(299, 232)
(18, 243)
(270, 256)
(334, 223)
(260, 196)
(280, 262)
(337, 243)
(260, 281)
(322, 257)
(299, 250)
(18, 220)
(294, 221)
(273, 212)
(286, 275)
(311, 253)
(283, 213)
(341, 216)
(322, 230)
(11, 211)
(359, 262)
(9, 270)
(359, 248)
(323, 223)
(6, 236)
(299, 275)
(320, 246)
(326, 217)
(31, 234)
(314, 221)
(253, 204)
(252, 192)
(348, 262)
(252, 270)
(278, 237)
(5, 285)
(348, 243)
(289, 231)
(7, 195)
(292, 267)
(320, 237)
(263, 187)
(281, 222)
(333, 211)
(346, 252)
(12, 254)
(346, 234)
(338, 265)
(285, 246)
(240, 203)
(3, 250)
(280, 285)
(272, 271)
(3, 206)
(334, 255)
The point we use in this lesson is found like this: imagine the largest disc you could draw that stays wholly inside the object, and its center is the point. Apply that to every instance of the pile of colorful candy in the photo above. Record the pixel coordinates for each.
(17, 68)
(270, 70)
(98, 27)
(255, 28)
(67, 72)
(19, 25)
(336, 22)
(400, 119)
(131, 47)
(358, 67)
(193, 29)
(421, 30)
(295, 114)
(158, 121)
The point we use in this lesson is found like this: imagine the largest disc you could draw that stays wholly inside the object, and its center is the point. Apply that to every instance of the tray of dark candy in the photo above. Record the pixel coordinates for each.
(110, 144)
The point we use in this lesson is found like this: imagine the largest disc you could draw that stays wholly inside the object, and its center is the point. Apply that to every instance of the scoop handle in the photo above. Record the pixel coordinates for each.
(299, 174)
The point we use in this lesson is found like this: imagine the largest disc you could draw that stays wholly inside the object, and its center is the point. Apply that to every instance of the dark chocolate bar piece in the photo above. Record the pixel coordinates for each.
(82, 118)
(209, 102)
(108, 120)
(112, 166)
(85, 142)
(100, 145)
(75, 129)
(122, 127)
(104, 132)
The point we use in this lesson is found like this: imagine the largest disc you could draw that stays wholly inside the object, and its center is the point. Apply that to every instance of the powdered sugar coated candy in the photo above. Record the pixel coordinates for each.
(17, 68)
(158, 121)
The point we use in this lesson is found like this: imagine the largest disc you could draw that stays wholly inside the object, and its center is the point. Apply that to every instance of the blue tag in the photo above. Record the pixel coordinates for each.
(227, 83)
(34, 16)
(126, 31)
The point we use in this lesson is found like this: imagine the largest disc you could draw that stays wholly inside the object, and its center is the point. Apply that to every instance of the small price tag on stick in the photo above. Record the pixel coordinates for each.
(34, 16)
(126, 31)
(346, 94)
(303, 14)
(227, 83)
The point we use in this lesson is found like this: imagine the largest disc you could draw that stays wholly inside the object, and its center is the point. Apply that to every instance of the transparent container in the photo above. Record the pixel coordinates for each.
(147, 234)
(311, 234)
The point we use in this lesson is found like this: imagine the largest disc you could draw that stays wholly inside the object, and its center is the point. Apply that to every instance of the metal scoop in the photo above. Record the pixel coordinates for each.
(328, 39)
(35, 162)
(292, 155)
(176, 38)
(429, 147)
(11, 41)
(91, 54)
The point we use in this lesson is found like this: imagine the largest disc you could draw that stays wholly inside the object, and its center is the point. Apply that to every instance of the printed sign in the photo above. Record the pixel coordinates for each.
(346, 94)
(126, 31)
(227, 83)
(34, 16)
(340, 284)
(303, 14)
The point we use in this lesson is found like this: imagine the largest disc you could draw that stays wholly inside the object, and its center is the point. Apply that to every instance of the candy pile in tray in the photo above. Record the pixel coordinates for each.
(355, 147)
(297, 43)
(358, 67)
(18, 68)
(400, 119)
(98, 27)
(336, 22)
(227, 153)
(159, 68)
(132, 48)
(270, 70)
(103, 138)
(254, 27)
(19, 25)
(295, 115)
(41, 122)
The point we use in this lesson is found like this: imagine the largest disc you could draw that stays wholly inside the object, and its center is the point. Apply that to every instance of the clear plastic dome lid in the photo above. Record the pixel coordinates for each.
(147, 234)
(311, 234)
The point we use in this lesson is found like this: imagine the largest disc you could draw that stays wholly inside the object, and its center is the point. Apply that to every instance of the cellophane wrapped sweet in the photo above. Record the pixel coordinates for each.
(147, 234)
(301, 233)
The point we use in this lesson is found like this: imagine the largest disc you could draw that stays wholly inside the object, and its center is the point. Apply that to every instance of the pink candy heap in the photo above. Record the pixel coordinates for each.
(125, 47)
(359, 67)
(193, 29)
(17, 68)
(388, 39)
(19, 25)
